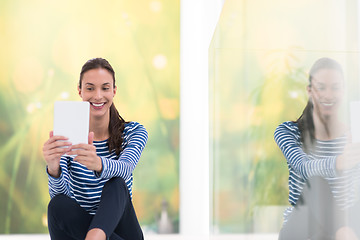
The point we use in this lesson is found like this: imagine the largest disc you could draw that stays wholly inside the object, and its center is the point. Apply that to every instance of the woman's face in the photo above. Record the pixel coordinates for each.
(97, 89)
(326, 92)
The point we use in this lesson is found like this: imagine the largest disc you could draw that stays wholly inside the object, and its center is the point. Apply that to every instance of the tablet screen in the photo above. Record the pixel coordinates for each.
(71, 119)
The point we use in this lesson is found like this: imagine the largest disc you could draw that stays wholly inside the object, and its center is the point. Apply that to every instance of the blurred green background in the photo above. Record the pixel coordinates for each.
(43, 45)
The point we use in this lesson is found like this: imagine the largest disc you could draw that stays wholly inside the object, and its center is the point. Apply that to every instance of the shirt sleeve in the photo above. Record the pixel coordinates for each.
(59, 185)
(286, 138)
(135, 140)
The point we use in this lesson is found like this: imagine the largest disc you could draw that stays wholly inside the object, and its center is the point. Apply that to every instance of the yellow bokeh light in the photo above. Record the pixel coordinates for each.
(169, 108)
(155, 6)
(30, 108)
(65, 95)
(44, 220)
(28, 75)
(159, 61)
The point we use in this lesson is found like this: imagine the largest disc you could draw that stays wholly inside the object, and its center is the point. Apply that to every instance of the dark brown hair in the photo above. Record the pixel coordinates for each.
(305, 121)
(117, 123)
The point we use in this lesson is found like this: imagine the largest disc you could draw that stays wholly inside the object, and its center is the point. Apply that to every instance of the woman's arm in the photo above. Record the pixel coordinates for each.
(135, 141)
(53, 150)
(59, 185)
(285, 136)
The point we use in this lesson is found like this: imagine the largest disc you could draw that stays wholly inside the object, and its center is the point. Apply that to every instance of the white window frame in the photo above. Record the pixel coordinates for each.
(198, 20)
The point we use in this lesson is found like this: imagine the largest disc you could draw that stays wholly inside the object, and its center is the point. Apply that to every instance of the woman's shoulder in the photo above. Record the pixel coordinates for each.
(135, 133)
(287, 127)
(134, 127)
(129, 126)
(287, 130)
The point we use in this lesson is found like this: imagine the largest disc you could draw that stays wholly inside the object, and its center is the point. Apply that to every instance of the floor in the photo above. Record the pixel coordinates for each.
(161, 237)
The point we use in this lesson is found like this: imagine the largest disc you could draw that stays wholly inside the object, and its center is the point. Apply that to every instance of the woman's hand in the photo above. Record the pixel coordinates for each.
(86, 154)
(346, 233)
(350, 157)
(53, 149)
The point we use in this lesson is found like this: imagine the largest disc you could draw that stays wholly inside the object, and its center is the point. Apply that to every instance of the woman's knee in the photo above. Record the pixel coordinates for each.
(116, 188)
(57, 201)
(61, 206)
(117, 182)
(64, 208)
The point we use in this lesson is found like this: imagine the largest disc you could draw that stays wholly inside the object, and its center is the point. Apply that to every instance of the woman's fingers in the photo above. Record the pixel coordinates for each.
(55, 147)
(61, 144)
(57, 141)
(57, 150)
(57, 138)
(54, 139)
(350, 156)
(84, 146)
(91, 138)
(82, 150)
(86, 155)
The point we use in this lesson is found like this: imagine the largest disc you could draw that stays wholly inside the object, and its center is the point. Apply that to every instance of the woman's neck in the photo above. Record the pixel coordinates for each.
(100, 127)
(328, 127)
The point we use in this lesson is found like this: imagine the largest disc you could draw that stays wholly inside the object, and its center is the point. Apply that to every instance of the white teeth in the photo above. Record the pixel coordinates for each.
(97, 105)
(328, 104)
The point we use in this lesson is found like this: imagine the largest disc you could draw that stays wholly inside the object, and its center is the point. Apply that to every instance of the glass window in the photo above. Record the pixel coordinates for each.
(259, 60)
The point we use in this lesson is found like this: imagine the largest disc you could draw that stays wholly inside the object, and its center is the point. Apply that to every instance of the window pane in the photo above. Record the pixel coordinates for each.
(259, 61)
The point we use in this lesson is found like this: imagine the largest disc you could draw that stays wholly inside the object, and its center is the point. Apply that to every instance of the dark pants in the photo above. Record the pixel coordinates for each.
(115, 215)
(318, 217)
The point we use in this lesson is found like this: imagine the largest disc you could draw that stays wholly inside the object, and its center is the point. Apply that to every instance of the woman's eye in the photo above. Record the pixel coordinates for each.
(105, 89)
(89, 89)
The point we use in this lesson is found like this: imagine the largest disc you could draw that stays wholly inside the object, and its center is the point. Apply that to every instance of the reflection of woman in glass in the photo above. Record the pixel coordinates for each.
(91, 193)
(323, 167)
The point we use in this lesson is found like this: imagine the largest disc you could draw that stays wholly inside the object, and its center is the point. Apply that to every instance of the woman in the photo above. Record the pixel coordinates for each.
(91, 192)
(323, 166)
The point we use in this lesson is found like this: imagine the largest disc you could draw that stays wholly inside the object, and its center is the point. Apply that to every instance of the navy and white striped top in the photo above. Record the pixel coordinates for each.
(320, 161)
(85, 186)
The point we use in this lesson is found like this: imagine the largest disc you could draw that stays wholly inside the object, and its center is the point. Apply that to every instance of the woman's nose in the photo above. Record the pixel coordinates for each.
(330, 94)
(98, 94)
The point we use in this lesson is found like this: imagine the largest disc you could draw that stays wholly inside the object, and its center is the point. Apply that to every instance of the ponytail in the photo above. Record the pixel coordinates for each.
(306, 127)
(116, 128)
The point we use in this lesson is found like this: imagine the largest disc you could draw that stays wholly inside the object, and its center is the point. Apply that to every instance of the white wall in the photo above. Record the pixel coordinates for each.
(197, 24)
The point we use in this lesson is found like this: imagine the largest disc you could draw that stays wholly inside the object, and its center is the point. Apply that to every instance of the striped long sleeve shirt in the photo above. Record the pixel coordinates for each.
(84, 185)
(320, 161)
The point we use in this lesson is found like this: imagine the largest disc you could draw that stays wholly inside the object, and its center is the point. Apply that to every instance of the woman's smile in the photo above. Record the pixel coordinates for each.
(97, 106)
(327, 104)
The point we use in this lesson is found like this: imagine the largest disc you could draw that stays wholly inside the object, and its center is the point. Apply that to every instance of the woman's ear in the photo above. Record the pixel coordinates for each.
(79, 90)
(115, 89)
(308, 90)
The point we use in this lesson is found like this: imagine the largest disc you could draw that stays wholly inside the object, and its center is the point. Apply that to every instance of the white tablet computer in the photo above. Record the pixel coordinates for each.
(71, 119)
(355, 121)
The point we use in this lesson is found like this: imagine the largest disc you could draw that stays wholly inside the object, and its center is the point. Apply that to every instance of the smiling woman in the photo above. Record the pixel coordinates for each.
(323, 165)
(94, 182)
(97, 86)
